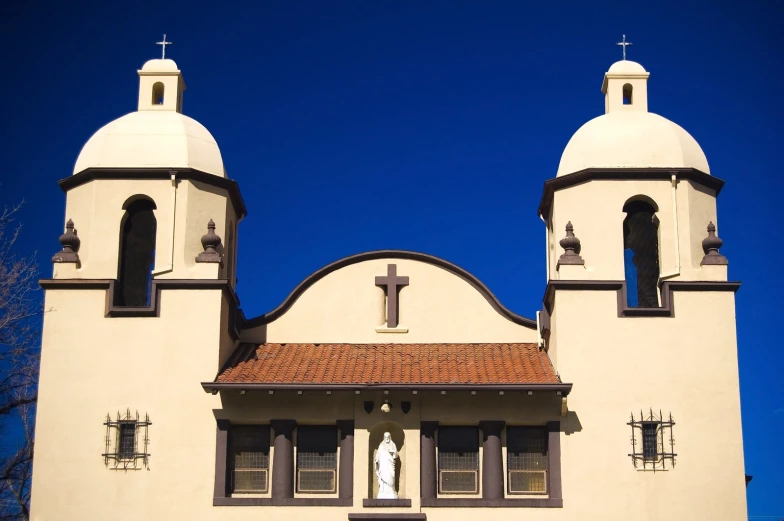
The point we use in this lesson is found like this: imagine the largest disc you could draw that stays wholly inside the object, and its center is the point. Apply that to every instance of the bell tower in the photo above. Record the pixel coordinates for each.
(140, 307)
(638, 308)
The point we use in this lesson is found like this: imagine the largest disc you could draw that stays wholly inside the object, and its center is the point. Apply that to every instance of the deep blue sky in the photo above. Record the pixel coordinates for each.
(422, 125)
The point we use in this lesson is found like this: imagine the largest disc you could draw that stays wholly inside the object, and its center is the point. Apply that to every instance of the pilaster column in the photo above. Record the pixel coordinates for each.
(492, 460)
(221, 459)
(427, 457)
(346, 467)
(283, 459)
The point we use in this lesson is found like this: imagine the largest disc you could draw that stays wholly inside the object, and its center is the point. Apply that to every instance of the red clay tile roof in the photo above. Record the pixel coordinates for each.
(393, 364)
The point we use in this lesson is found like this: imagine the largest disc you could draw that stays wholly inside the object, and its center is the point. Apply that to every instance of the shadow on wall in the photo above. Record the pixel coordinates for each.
(571, 423)
(376, 435)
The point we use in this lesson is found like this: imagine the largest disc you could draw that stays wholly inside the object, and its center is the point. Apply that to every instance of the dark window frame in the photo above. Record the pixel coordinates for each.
(263, 442)
(323, 443)
(522, 440)
(450, 455)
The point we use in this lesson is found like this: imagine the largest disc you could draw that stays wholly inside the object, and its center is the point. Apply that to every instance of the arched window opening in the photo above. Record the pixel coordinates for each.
(137, 254)
(627, 94)
(641, 254)
(157, 93)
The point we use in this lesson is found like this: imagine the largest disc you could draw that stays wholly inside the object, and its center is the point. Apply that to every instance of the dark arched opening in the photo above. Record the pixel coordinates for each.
(627, 94)
(641, 254)
(137, 254)
(157, 93)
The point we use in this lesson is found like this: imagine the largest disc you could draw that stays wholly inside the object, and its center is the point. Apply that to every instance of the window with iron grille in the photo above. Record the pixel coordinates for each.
(458, 460)
(526, 460)
(317, 459)
(250, 448)
(126, 441)
(652, 441)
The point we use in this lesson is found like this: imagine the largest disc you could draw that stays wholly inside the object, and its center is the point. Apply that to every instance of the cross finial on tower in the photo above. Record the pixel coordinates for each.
(163, 45)
(623, 43)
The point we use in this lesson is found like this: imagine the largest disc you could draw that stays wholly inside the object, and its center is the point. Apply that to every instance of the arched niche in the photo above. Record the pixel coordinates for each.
(399, 437)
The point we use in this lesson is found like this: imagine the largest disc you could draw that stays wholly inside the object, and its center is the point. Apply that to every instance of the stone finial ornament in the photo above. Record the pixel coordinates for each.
(571, 246)
(70, 242)
(210, 242)
(711, 245)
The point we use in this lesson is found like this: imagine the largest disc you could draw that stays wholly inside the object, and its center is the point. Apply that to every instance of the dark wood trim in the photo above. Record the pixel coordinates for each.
(554, 461)
(283, 459)
(428, 476)
(619, 286)
(492, 503)
(622, 174)
(389, 254)
(153, 310)
(281, 502)
(222, 479)
(190, 174)
(346, 465)
(391, 503)
(563, 388)
(387, 517)
(492, 460)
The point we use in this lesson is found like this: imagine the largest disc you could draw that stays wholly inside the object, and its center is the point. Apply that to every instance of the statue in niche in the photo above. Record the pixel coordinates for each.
(385, 468)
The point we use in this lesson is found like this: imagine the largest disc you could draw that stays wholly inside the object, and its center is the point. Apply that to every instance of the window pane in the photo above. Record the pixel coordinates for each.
(317, 458)
(649, 440)
(526, 448)
(250, 448)
(126, 446)
(458, 439)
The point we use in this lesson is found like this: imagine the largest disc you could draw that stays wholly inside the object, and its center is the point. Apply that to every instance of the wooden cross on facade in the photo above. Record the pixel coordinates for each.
(391, 283)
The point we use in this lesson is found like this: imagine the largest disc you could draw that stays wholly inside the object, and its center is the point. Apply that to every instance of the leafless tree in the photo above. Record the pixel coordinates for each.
(20, 314)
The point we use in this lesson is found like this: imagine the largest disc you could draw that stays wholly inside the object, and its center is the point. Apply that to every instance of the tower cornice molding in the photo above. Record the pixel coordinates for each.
(623, 174)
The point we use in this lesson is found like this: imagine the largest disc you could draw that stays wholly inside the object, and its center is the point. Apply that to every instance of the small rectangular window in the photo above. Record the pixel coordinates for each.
(526, 460)
(126, 440)
(317, 459)
(250, 447)
(650, 442)
(458, 460)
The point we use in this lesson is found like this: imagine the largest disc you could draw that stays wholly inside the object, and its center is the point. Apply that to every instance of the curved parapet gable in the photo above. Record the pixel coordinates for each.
(347, 301)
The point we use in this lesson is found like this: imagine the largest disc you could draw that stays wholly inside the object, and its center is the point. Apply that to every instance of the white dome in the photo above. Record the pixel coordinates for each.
(152, 139)
(631, 139)
(626, 67)
(160, 65)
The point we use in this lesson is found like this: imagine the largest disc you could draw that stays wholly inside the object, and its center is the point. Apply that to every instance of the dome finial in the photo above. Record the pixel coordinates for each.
(210, 242)
(623, 43)
(571, 246)
(70, 242)
(711, 245)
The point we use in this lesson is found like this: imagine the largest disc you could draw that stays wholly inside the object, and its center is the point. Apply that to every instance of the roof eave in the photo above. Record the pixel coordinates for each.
(214, 387)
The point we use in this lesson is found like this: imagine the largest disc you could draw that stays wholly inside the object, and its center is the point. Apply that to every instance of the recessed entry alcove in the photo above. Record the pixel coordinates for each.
(398, 437)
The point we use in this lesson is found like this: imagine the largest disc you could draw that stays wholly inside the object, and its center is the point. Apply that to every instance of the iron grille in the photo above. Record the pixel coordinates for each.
(526, 459)
(126, 441)
(652, 441)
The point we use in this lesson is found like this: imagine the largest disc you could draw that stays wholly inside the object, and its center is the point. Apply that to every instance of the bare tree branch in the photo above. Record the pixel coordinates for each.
(20, 315)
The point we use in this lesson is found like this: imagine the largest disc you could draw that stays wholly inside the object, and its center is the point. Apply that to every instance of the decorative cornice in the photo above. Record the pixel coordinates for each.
(90, 174)
(619, 286)
(389, 254)
(623, 174)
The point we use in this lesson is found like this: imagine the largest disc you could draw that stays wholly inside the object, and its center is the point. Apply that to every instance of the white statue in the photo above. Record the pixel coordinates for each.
(385, 468)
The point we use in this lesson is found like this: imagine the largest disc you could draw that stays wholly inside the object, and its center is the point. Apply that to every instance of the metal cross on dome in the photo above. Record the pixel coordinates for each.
(163, 45)
(391, 283)
(624, 44)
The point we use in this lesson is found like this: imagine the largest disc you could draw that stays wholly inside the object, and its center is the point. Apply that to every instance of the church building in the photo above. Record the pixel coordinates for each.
(389, 385)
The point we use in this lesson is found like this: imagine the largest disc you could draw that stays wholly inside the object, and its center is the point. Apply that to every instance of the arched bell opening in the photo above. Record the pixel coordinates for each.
(137, 253)
(641, 252)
